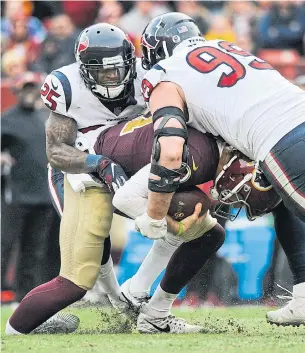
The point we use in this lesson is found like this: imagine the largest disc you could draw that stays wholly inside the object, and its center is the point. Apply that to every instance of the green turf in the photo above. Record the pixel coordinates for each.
(229, 330)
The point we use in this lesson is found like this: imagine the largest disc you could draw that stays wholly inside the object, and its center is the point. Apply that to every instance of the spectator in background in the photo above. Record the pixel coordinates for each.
(58, 47)
(20, 39)
(199, 13)
(110, 12)
(21, 10)
(82, 13)
(46, 9)
(27, 213)
(282, 27)
(138, 17)
(243, 16)
(246, 43)
(13, 64)
(161, 6)
(214, 6)
(220, 28)
(134, 21)
(263, 7)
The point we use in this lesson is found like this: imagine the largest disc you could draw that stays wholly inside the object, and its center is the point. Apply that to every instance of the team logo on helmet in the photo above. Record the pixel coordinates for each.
(153, 41)
(83, 44)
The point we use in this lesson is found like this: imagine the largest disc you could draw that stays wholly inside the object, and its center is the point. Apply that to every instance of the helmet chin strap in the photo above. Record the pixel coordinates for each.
(165, 49)
(108, 92)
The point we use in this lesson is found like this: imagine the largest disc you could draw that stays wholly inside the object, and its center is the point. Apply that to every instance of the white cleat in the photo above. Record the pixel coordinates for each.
(137, 299)
(169, 324)
(126, 308)
(58, 323)
(292, 314)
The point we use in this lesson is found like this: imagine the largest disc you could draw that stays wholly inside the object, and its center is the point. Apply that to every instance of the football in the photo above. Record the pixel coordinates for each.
(184, 202)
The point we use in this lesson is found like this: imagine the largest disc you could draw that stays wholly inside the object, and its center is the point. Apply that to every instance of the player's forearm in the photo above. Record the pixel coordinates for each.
(158, 204)
(68, 159)
(61, 133)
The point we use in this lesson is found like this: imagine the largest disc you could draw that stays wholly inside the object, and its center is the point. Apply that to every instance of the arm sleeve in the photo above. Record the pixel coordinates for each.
(131, 198)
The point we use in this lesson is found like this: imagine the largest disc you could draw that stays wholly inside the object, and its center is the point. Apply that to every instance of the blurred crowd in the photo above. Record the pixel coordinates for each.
(38, 37)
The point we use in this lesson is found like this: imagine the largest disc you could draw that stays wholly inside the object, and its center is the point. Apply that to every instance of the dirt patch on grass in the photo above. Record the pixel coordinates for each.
(212, 325)
(110, 321)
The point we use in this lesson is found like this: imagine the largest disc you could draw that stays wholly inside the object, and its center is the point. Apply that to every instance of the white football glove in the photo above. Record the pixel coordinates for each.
(151, 228)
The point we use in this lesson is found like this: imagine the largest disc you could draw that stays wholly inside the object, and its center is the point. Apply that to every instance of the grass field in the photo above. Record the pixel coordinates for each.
(229, 330)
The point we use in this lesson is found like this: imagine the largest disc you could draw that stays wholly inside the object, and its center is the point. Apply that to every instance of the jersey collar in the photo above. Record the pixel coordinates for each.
(189, 42)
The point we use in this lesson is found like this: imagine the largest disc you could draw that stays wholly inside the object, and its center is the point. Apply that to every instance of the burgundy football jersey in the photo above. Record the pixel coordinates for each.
(130, 143)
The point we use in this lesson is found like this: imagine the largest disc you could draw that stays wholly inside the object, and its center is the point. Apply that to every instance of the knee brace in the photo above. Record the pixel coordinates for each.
(199, 230)
(169, 179)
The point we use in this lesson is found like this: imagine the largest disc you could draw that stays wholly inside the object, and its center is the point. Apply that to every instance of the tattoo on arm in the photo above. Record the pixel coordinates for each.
(61, 134)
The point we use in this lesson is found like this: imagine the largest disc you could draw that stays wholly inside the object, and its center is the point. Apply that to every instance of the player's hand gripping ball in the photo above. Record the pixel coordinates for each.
(189, 207)
(183, 207)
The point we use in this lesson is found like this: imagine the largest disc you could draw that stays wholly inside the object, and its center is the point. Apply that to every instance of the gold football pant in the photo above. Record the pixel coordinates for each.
(85, 224)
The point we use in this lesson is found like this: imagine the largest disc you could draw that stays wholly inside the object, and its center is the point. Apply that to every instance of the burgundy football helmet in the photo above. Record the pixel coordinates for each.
(242, 183)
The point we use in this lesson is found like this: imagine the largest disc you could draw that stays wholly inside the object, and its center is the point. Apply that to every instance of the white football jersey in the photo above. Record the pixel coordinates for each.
(64, 92)
(231, 94)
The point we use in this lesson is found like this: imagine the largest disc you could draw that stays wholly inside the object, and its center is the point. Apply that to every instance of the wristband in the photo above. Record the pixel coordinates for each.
(181, 229)
(92, 162)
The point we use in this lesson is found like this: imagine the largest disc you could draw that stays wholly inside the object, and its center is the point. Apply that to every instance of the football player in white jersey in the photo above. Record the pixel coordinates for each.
(98, 91)
(218, 88)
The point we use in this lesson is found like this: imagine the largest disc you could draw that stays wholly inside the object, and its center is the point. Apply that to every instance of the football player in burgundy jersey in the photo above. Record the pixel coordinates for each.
(129, 145)
(137, 136)
(216, 87)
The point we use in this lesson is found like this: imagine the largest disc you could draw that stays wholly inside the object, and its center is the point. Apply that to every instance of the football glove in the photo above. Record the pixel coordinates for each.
(106, 170)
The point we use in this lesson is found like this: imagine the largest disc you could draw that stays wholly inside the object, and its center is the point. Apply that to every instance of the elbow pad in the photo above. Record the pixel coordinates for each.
(169, 179)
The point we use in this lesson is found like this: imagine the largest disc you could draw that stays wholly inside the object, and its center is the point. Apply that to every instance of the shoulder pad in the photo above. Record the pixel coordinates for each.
(152, 78)
(56, 93)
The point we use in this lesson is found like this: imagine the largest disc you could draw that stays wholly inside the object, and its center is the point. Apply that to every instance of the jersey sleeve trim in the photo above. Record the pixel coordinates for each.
(84, 130)
(159, 67)
(66, 87)
(152, 78)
